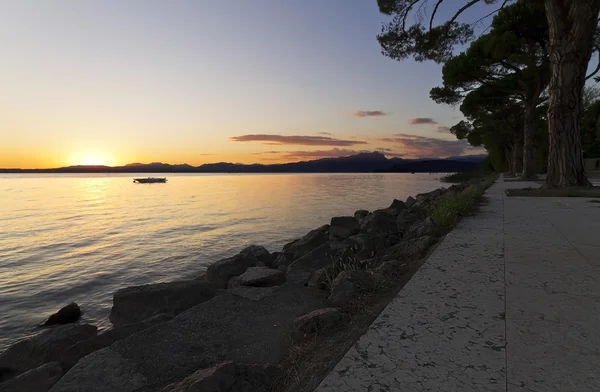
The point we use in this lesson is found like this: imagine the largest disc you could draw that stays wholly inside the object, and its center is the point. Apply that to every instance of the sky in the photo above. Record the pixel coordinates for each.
(196, 81)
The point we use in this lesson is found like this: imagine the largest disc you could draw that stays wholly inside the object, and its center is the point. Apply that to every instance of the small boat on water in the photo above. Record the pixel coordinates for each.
(149, 180)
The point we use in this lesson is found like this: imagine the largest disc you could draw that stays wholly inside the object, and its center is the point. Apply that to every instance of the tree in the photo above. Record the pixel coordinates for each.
(572, 27)
(512, 59)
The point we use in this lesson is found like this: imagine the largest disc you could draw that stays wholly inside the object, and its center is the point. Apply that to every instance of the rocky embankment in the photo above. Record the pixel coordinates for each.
(228, 329)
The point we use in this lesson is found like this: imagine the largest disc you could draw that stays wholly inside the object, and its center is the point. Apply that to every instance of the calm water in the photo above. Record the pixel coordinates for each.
(80, 238)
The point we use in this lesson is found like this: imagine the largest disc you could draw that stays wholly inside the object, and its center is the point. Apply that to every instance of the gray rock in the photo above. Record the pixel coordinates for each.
(307, 244)
(410, 201)
(219, 273)
(360, 216)
(260, 277)
(283, 268)
(281, 260)
(397, 207)
(66, 315)
(40, 379)
(227, 377)
(299, 271)
(43, 348)
(261, 254)
(343, 227)
(410, 249)
(227, 327)
(430, 196)
(253, 293)
(138, 303)
(319, 320)
(380, 221)
(317, 279)
(393, 268)
(426, 227)
(80, 349)
(349, 284)
(102, 371)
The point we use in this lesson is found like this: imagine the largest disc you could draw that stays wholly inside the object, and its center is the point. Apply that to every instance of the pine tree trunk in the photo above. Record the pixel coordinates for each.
(508, 157)
(571, 24)
(518, 153)
(529, 127)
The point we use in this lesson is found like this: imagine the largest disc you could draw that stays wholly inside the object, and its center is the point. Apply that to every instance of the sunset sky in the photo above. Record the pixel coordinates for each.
(196, 81)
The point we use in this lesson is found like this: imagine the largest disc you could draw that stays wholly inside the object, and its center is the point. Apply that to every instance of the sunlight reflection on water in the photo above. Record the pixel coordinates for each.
(80, 238)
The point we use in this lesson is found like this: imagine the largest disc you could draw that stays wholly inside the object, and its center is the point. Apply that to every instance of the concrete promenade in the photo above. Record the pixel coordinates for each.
(509, 301)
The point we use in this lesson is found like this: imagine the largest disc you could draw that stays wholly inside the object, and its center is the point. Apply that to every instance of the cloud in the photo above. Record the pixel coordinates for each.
(414, 146)
(297, 140)
(368, 113)
(333, 153)
(443, 129)
(422, 120)
(326, 133)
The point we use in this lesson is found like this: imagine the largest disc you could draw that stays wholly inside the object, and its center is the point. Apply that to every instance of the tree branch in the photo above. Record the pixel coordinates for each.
(434, 12)
(462, 9)
(406, 11)
(597, 66)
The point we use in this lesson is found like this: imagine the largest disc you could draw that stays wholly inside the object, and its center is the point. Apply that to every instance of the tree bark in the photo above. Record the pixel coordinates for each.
(518, 153)
(529, 127)
(571, 24)
(508, 157)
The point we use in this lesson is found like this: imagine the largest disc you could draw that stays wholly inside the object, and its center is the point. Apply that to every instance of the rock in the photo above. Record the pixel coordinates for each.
(302, 246)
(224, 328)
(68, 314)
(393, 268)
(430, 196)
(40, 379)
(319, 320)
(43, 348)
(349, 284)
(281, 260)
(380, 221)
(253, 293)
(410, 250)
(80, 349)
(260, 277)
(299, 271)
(261, 254)
(219, 273)
(397, 207)
(360, 216)
(410, 201)
(137, 303)
(406, 219)
(426, 227)
(283, 268)
(317, 279)
(104, 370)
(227, 377)
(343, 227)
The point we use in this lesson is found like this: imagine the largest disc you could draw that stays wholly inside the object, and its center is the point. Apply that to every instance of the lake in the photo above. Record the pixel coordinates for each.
(76, 237)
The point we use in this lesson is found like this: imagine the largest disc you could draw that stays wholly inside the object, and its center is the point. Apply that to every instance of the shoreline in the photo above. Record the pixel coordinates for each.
(246, 314)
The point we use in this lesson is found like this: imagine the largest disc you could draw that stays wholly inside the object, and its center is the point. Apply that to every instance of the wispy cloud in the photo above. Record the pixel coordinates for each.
(443, 129)
(333, 153)
(296, 140)
(369, 113)
(326, 133)
(422, 120)
(415, 146)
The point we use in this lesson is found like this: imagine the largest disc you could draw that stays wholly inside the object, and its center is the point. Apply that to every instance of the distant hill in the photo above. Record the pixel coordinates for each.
(359, 163)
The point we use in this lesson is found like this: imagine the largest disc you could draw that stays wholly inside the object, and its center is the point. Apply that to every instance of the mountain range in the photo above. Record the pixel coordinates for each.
(359, 163)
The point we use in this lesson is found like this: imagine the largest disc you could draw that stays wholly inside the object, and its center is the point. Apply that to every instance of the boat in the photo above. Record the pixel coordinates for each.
(149, 180)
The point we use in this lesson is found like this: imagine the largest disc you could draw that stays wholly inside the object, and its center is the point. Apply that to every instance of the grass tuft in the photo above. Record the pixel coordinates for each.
(456, 178)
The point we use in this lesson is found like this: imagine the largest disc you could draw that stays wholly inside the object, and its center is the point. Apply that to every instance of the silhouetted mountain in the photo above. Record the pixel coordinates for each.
(359, 163)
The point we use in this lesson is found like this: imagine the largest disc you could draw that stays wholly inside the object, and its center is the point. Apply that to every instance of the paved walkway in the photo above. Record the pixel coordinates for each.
(509, 301)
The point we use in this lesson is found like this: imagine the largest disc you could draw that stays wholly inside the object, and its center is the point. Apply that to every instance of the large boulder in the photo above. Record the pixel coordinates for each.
(138, 303)
(219, 273)
(261, 254)
(317, 279)
(73, 354)
(46, 347)
(227, 377)
(360, 215)
(410, 201)
(343, 227)
(430, 196)
(307, 244)
(259, 277)
(66, 315)
(393, 268)
(102, 371)
(378, 222)
(299, 271)
(319, 320)
(426, 227)
(348, 285)
(40, 379)
(410, 250)
(397, 207)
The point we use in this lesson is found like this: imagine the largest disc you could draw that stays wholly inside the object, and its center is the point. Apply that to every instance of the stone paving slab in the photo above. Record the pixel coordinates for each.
(445, 330)
(509, 301)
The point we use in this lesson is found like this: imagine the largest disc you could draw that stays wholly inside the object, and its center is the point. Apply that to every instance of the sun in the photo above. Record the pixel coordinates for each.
(92, 158)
